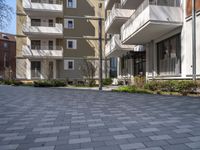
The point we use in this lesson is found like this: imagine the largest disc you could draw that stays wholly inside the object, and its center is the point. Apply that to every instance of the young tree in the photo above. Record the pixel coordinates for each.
(5, 14)
(88, 70)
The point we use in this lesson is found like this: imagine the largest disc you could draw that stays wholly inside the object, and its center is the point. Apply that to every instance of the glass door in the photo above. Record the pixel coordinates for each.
(35, 69)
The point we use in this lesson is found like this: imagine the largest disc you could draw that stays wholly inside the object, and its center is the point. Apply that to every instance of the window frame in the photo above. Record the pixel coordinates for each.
(74, 46)
(66, 64)
(74, 4)
(67, 23)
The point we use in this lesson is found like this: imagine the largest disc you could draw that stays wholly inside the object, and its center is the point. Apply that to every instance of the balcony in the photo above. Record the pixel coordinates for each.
(130, 4)
(44, 31)
(117, 18)
(152, 20)
(109, 4)
(114, 48)
(43, 9)
(55, 52)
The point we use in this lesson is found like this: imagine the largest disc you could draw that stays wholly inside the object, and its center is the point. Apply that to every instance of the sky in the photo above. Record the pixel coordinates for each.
(11, 28)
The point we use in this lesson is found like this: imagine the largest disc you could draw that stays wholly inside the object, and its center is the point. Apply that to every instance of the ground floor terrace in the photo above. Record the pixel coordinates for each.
(57, 119)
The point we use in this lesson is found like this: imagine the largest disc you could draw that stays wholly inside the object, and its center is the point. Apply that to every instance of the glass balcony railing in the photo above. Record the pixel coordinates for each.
(146, 3)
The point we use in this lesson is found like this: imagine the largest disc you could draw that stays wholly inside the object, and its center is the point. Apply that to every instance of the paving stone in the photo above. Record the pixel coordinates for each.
(80, 140)
(132, 146)
(43, 148)
(123, 136)
(195, 138)
(160, 137)
(8, 147)
(149, 130)
(46, 139)
(60, 119)
(194, 145)
(117, 129)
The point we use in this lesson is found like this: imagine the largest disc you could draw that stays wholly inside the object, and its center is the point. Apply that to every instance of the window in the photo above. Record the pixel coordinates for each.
(71, 44)
(35, 44)
(69, 23)
(50, 23)
(35, 22)
(68, 64)
(71, 3)
(169, 56)
(35, 69)
(5, 45)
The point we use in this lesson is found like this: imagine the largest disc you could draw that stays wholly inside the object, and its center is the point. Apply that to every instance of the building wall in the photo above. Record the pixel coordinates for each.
(85, 31)
(186, 48)
(189, 6)
(7, 59)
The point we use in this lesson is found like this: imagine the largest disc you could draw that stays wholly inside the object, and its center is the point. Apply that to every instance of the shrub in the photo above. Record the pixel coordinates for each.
(17, 83)
(168, 86)
(132, 89)
(49, 83)
(153, 86)
(139, 81)
(58, 83)
(43, 83)
(128, 89)
(107, 81)
(186, 87)
(7, 82)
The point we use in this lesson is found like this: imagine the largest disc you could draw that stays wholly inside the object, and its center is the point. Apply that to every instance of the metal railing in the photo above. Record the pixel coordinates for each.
(39, 47)
(58, 2)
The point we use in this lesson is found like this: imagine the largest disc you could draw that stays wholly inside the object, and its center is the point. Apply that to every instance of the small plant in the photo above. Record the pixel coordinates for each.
(139, 81)
(153, 86)
(107, 81)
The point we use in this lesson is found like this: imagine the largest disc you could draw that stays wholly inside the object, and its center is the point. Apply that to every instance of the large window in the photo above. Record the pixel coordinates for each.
(35, 22)
(35, 44)
(169, 56)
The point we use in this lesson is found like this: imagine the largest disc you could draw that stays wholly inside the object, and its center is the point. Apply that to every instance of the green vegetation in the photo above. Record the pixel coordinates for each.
(132, 89)
(172, 87)
(107, 81)
(41, 83)
(49, 83)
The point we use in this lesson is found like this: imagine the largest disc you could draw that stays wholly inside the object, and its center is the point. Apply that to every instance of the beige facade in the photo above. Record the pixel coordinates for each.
(55, 37)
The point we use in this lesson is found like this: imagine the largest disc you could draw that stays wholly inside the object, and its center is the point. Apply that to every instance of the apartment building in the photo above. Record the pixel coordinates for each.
(126, 60)
(56, 37)
(7, 56)
(164, 27)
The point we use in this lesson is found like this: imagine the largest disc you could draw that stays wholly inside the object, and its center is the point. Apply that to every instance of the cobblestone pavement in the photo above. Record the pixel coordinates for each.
(63, 119)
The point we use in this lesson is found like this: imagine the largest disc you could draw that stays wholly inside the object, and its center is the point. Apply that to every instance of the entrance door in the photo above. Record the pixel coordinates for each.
(50, 23)
(50, 45)
(50, 70)
(35, 69)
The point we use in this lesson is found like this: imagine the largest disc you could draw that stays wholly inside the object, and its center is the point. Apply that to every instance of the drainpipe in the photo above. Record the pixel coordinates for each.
(194, 38)
(153, 63)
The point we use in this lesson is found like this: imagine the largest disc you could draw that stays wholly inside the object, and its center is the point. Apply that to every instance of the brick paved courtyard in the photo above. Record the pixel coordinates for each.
(63, 119)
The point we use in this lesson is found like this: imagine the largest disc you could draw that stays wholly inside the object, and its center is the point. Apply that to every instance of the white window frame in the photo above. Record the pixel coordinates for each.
(67, 23)
(74, 4)
(66, 64)
(74, 44)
